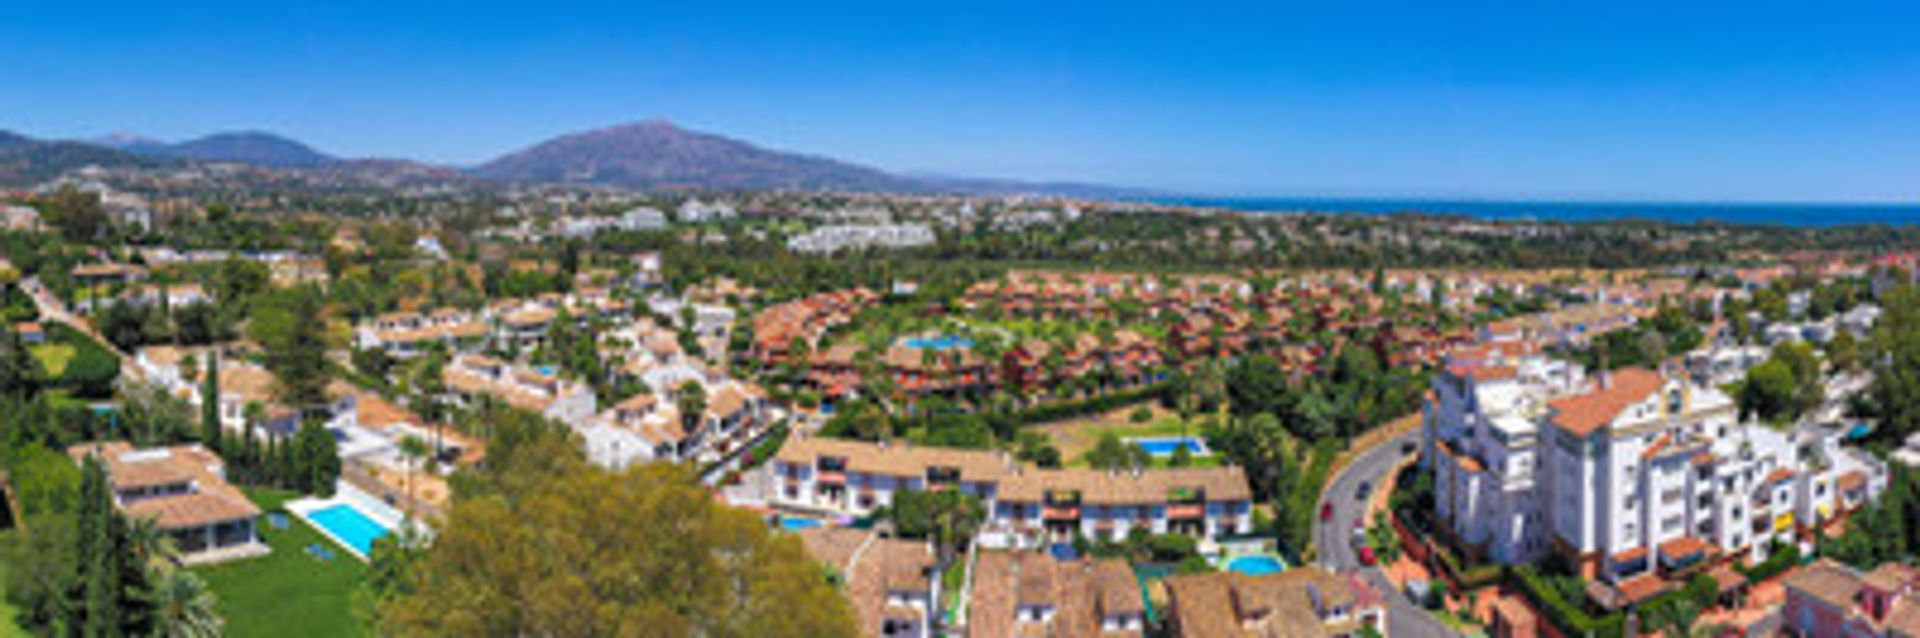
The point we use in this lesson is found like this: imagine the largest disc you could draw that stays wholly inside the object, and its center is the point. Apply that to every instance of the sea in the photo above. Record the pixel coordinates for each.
(1781, 214)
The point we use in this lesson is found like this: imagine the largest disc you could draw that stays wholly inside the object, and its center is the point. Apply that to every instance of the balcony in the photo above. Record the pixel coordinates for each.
(1187, 511)
(833, 478)
(1060, 512)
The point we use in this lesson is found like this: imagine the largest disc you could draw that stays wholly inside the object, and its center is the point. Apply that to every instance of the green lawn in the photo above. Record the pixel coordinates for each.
(288, 593)
(53, 357)
(8, 628)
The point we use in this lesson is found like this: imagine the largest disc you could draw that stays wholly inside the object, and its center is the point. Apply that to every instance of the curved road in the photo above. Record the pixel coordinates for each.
(1334, 537)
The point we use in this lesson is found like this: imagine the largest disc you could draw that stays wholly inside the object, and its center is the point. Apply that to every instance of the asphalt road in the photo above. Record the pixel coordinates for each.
(1334, 537)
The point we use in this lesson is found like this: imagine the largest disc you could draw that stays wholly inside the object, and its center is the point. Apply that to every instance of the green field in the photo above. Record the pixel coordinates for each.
(287, 592)
(53, 357)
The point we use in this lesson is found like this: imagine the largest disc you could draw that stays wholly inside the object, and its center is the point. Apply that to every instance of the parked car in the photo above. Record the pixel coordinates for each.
(1326, 511)
(1366, 488)
(1366, 556)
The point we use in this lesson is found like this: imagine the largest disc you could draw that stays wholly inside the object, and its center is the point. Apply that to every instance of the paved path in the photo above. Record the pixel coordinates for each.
(1334, 537)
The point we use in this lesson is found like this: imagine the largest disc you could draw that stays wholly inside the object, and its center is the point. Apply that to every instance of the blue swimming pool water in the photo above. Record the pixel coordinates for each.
(1164, 446)
(349, 525)
(796, 523)
(943, 342)
(1860, 430)
(547, 370)
(1257, 565)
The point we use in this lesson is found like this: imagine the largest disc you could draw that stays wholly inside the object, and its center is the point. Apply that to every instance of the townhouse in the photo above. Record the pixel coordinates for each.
(1305, 601)
(184, 491)
(409, 334)
(1635, 477)
(888, 582)
(471, 378)
(650, 427)
(804, 321)
(1026, 507)
(1018, 593)
(1827, 598)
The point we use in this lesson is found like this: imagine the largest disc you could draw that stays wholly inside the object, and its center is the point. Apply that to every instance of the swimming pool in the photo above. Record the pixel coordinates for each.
(1257, 565)
(350, 526)
(547, 370)
(1859, 431)
(943, 342)
(797, 523)
(1164, 446)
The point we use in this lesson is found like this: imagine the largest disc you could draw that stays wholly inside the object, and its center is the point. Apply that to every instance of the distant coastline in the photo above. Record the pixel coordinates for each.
(1777, 214)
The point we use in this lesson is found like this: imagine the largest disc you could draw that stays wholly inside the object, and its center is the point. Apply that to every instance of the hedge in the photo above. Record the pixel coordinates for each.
(1784, 557)
(1050, 412)
(1566, 616)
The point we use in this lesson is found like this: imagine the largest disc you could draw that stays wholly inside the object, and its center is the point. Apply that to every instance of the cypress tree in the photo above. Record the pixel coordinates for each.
(210, 405)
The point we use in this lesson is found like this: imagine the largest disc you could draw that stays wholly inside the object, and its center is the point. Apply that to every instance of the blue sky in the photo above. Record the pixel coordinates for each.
(1523, 100)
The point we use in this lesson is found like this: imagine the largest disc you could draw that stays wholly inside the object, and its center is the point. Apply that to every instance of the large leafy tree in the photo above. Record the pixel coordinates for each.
(582, 551)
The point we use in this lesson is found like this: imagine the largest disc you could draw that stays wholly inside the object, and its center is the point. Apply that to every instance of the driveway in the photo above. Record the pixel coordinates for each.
(1334, 537)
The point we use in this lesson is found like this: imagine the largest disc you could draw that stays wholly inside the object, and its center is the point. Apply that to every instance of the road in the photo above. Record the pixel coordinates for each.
(1334, 537)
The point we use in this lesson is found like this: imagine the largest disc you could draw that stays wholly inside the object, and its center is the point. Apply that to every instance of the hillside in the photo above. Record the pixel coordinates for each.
(657, 154)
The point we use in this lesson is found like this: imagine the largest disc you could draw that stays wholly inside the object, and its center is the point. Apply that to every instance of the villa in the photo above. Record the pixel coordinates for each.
(1025, 507)
(183, 489)
(1304, 601)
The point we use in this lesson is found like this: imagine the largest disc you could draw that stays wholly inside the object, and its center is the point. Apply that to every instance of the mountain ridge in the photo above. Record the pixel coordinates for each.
(649, 154)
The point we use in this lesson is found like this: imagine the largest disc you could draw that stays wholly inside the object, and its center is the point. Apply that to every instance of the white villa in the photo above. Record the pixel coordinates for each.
(184, 490)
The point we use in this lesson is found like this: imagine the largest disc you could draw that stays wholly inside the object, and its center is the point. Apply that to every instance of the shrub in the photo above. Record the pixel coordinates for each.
(1141, 415)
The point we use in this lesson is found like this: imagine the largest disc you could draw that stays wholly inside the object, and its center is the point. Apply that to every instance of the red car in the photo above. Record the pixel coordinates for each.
(1326, 511)
(1366, 556)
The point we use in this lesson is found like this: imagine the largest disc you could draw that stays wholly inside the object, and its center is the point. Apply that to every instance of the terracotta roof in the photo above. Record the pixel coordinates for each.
(210, 498)
(1827, 581)
(1641, 588)
(896, 459)
(1890, 577)
(1098, 487)
(871, 568)
(1582, 414)
(1853, 480)
(1726, 578)
(1080, 592)
(1630, 555)
(1685, 546)
(1234, 604)
(1777, 475)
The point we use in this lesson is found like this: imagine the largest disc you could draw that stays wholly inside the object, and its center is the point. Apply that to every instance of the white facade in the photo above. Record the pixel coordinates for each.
(1623, 473)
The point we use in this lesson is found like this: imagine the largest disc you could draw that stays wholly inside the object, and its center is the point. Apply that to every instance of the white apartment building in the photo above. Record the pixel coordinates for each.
(1629, 475)
(1026, 507)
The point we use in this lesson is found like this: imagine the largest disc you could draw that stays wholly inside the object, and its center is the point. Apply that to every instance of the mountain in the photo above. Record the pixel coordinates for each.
(247, 147)
(657, 154)
(25, 161)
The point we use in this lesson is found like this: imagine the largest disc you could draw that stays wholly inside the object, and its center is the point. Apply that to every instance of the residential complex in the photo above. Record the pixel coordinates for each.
(1831, 599)
(1026, 507)
(1634, 476)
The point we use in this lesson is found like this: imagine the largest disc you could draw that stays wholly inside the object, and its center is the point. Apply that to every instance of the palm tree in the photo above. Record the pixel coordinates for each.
(185, 607)
(153, 546)
(412, 449)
